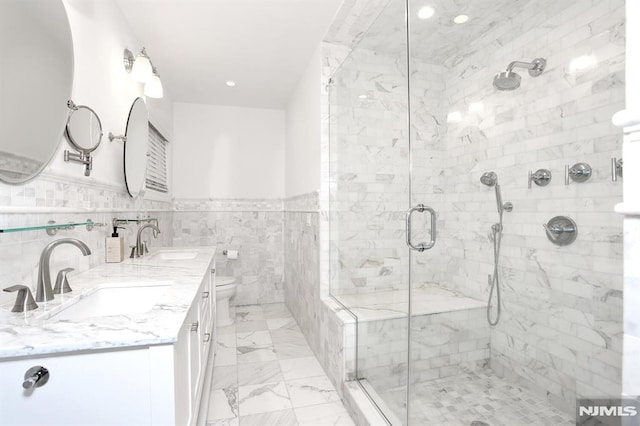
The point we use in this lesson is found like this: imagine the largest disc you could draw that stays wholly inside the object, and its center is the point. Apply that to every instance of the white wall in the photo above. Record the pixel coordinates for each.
(303, 120)
(100, 81)
(228, 152)
(631, 205)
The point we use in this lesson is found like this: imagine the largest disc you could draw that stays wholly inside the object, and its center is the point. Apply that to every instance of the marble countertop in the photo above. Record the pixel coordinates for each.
(38, 332)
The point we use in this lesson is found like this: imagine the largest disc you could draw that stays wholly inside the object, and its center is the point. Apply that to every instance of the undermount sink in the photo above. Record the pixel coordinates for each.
(114, 300)
(177, 254)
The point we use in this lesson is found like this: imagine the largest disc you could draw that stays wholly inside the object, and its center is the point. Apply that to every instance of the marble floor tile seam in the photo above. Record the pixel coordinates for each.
(248, 401)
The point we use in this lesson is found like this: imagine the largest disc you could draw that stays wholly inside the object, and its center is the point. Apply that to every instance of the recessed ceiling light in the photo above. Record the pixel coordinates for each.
(426, 12)
(230, 83)
(363, 96)
(460, 19)
(476, 107)
(454, 117)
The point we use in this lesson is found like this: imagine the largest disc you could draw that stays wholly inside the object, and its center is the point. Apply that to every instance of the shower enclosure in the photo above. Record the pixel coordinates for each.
(417, 249)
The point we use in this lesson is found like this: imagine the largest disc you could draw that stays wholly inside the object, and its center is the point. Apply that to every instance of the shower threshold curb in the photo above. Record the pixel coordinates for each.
(362, 408)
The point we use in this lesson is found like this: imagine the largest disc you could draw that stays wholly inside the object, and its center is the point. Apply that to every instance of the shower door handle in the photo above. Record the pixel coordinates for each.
(421, 208)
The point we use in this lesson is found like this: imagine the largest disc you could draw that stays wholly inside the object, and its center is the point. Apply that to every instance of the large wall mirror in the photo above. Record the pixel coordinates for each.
(36, 77)
(136, 147)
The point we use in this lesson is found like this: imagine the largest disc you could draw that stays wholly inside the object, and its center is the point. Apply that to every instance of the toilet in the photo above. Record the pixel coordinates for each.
(225, 289)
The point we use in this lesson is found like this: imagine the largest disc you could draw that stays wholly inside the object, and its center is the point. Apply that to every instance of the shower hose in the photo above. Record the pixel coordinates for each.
(494, 281)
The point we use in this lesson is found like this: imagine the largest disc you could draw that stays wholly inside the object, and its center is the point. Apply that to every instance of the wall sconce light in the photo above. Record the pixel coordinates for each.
(153, 87)
(142, 70)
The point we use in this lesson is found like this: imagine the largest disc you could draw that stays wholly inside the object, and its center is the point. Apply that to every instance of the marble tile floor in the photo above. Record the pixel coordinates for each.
(265, 374)
(480, 395)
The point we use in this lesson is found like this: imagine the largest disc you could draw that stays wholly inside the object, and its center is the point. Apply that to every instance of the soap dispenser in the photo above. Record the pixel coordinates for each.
(114, 247)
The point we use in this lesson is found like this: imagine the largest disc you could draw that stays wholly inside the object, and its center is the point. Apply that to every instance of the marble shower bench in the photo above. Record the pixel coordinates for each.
(449, 334)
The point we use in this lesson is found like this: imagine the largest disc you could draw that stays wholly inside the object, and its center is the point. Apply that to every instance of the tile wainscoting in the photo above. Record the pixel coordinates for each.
(329, 330)
(252, 227)
(67, 199)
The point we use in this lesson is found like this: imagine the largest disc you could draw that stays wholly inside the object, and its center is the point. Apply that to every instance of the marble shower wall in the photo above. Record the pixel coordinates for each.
(562, 306)
(368, 161)
(65, 200)
(252, 227)
(369, 173)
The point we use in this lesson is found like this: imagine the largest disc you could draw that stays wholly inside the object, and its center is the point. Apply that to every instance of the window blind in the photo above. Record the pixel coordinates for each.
(157, 161)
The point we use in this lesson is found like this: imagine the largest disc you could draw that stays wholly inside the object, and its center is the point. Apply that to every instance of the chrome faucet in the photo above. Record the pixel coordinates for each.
(140, 246)
(44, 291)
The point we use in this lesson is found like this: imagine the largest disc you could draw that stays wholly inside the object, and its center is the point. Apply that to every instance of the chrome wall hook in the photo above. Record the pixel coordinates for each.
(541, 177)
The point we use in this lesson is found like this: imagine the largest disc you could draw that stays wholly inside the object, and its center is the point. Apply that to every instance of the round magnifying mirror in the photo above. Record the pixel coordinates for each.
(84, 129)
(136, 147)
(36, 76)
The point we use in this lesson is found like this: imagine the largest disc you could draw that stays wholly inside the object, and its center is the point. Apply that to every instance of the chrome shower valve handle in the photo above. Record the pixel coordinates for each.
(540, 177)
(616, 168)
(561, 230)
(579, 172)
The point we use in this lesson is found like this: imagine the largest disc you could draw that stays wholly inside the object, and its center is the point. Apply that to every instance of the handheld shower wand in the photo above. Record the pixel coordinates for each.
(491, 179)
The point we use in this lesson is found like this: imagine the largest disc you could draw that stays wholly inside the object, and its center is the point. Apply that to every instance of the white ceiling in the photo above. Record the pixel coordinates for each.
(262, 45)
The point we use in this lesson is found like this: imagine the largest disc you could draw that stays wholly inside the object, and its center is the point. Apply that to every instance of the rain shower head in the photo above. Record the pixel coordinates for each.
(509, 80)
(489, 178)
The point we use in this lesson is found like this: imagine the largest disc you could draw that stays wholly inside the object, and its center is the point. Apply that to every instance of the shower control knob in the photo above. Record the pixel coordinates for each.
(35, 377)
(541, 177)
(579, 172)
(561, 230)
(616, 168)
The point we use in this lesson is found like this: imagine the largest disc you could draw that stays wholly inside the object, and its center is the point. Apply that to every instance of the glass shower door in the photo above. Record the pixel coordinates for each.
(370, 188)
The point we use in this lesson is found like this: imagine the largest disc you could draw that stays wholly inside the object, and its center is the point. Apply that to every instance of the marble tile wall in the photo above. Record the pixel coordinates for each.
(370, 175)
(252, 227)
(66, 200)
(560, 332)
(329, 330)
(351, 22)
(301, 269)
(444, 344)
(17, 166)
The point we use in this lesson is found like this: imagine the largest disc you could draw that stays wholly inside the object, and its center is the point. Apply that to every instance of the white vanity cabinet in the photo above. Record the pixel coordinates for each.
(194, 350)
(161, 384)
